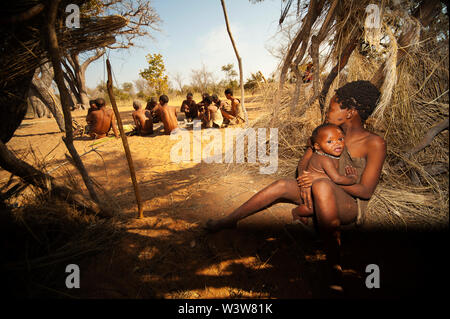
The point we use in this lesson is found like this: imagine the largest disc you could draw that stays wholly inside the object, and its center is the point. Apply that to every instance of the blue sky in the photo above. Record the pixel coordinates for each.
(193, 33)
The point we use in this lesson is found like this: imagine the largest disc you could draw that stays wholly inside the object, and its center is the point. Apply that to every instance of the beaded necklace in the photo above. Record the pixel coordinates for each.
(325, 154)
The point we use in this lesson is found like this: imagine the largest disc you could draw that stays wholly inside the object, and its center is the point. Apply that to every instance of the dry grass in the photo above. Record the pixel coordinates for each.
(407, 195)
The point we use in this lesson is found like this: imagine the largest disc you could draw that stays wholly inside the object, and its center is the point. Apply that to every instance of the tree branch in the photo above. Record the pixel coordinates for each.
(31, 175)
(98, 54)
(65, 98)
(241, 72)
(425, 14)
(428, 138)
(342, 62)
(30, 13)
(315, 7)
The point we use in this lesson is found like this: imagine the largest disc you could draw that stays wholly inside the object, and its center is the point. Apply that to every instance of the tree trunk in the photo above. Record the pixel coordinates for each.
(429, 136)
(72, 82)
(298, 85)
(241, 72)
(13, 105)
(40, 88)
(425, 13)
(315, 44)
(65, 97)
(342, 62)
(81, 81)
(77, 72)
(31, 175)
(39, 108)
(315, 7)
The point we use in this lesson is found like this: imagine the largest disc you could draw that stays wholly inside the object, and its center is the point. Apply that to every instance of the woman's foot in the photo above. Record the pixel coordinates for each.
(297, 214)
(213, 226)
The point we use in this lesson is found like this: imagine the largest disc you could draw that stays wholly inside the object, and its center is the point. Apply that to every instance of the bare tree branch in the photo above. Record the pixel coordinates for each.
(241, 72)
(429, 136)
(30, 13)
(64, 95)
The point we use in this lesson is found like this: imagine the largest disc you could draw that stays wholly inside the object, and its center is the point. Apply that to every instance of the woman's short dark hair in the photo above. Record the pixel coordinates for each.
(360, 95)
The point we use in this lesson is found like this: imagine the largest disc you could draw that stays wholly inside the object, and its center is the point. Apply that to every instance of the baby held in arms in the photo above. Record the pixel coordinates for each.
(327, 141)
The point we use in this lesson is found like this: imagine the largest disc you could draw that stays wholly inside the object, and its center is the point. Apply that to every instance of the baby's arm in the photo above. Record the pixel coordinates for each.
(333, 174)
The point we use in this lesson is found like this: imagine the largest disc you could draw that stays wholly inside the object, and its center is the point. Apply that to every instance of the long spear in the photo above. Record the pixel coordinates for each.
(124, 140)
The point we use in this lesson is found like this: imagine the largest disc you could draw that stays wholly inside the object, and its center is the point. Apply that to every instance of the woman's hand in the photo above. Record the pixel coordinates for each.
(350, 170)
(304, 181)
(307, 178)
(305, 195)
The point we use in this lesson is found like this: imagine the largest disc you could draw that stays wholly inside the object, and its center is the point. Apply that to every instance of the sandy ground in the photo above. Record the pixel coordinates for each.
(167, 254)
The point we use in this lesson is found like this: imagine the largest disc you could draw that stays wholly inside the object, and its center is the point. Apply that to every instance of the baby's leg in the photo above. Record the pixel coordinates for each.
(302, 213)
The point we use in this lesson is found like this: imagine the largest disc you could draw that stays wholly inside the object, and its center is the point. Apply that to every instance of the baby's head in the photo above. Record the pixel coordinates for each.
(328, 138)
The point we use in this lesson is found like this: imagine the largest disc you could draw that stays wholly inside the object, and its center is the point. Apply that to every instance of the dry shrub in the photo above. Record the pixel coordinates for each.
(41, 234)
(408, 195)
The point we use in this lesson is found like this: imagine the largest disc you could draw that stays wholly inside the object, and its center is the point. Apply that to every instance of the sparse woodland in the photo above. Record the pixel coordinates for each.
(405, 55)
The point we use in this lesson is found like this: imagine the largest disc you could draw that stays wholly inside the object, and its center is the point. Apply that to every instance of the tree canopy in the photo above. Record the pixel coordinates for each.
(154, 74)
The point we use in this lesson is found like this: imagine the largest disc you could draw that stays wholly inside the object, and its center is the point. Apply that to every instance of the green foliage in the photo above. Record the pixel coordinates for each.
(127, 86)
(154, 74)
(230, 74)
(253, 81)
(119, 95)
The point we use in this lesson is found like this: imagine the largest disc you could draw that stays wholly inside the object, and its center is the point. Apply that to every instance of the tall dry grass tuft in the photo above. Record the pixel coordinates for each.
(41, 234)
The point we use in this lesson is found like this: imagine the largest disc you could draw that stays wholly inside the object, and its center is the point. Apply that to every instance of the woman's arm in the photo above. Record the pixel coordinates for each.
(334, 175)
(303, 162)
(305, 192)
(371, 174)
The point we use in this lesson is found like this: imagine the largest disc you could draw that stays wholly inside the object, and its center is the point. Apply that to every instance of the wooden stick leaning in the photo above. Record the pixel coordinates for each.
(241, 72)
(124, 141)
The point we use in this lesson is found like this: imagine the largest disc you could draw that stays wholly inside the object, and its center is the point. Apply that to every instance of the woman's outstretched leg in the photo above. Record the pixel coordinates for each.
(281, 189)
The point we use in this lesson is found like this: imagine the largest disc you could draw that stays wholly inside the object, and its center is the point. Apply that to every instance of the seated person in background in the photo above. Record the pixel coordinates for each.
(234, 115)
(327, 140)
(201, 104)
(79, 130)
(92, 106)
(143, 119)
(309, 72)
(100, 121)
(211, 116)
(168, 114)
(151, 103)
(217, 102)
(189, 108)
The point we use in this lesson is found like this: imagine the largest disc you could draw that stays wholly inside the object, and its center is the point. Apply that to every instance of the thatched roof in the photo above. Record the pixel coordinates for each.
(23, 48)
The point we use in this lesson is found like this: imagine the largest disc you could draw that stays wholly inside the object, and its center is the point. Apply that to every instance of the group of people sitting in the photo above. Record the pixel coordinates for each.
(211, 111)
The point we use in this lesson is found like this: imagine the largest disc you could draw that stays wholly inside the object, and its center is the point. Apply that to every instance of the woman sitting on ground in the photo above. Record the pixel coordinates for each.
(333, 205)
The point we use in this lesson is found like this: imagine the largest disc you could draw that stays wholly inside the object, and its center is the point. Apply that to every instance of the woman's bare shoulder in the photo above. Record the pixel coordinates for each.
(376, 141)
